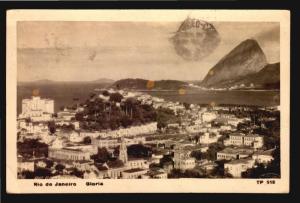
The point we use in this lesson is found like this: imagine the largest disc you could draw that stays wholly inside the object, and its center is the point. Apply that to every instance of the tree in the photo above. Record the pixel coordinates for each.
(219, 170)
(116, 97)
(77, 173)
(102, 156)
(165, 116)
(59, 167)
(79, 116)
(139, 151)
(92, 95)
(28, 174)
(186, 105)
(197, 154)
(165, 159)
(87, 140)
(126, 121)
(42, 172)
(52, 127)
(177, 173)
(49, 163)
(213, 149)
(105, 93)
(30, 147)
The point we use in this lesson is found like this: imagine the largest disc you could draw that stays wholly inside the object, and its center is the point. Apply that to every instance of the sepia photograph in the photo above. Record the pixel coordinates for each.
(148, 101)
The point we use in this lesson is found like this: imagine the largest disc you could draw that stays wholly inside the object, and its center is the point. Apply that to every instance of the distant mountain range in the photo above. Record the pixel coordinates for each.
(142, 84)
(245, 66)
(46, 81)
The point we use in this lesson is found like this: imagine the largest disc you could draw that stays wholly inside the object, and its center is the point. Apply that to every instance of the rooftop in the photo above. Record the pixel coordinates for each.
(240, 161)
(231, 150)
(72, 149)
(267, 152)
(134, 170)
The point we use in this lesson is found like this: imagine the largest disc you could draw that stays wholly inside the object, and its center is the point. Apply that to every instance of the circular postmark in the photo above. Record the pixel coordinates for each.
(195, 39)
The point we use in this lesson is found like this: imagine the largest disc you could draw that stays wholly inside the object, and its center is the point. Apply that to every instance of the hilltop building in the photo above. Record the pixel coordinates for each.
(37, 109)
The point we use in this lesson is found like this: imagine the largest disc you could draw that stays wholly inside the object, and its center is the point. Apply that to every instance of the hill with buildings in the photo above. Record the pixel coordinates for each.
(266, 78)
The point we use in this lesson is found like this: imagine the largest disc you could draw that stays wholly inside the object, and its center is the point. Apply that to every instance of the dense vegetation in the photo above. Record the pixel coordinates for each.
(30, 147)
(99, 114)
(139, 151)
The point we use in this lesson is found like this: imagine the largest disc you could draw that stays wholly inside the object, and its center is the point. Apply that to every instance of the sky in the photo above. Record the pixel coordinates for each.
(85, 51)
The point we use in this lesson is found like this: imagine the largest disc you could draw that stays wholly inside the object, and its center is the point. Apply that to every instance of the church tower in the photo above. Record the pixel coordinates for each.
(123, 151)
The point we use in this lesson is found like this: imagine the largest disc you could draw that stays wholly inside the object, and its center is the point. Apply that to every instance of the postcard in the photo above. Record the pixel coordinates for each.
(148, 101)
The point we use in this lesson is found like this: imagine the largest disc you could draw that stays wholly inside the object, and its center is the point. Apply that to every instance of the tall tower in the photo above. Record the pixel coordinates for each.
(123, 151)
(179, 156)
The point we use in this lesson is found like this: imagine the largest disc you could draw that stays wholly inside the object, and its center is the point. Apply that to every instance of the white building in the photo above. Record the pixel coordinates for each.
(25, 166)
(114, 142)
(66, 114)
(69, 154)
(208, 138)
(236, 167)
(238, 139)
(208, 116)
(36, 107)
(263, 156)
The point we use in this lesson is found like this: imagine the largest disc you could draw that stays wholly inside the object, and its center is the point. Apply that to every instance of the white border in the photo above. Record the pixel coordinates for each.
(15, 185)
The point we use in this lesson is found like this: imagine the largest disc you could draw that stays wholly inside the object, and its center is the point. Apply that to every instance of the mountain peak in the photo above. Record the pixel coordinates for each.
(246, 58)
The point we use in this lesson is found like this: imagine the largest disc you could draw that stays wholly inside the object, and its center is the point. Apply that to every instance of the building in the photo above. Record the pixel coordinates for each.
(208, 116)
(25, 166)
(134, 173)
(156, 157)
(115, 142)
(131, 163)
(264, 157)
(33, 127)
(123, 152)
(69, 154)
(182, 160)
(254, 140)
(137, 163)
(236, 167)
(234, 153)
(111, 172)
(239, 139)
(36, 107)
(208, 138)
(66, 114)
(105, 142)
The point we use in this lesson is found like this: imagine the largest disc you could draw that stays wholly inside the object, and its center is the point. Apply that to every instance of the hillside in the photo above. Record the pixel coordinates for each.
(266, 78)
(141, 84)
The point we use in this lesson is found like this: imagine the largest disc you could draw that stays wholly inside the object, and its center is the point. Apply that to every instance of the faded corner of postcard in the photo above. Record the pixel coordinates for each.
(125, 101)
